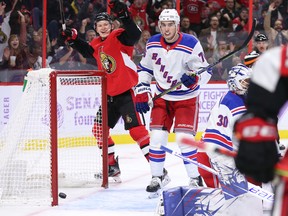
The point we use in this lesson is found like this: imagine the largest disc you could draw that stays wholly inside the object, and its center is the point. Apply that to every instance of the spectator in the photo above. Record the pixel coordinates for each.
(193, 9)
(210, 35)
(278, 12)
(228, 14)
(35, 46)
(257, 9)
(220, 71)
(16, 50)
(90, 35)
(91, 63)
(260, 21)
(139, 15)
(5, 27)
(77, 5)
(66, 58)
(88, 12)
(170, 4)
(240, 23)
(83, 29)
(154, 25)
(277, 34)
(26, 27)
(16, 58)
(242, 3)
(69, 15)
(185, 25)
(139, 47)
(215, 5)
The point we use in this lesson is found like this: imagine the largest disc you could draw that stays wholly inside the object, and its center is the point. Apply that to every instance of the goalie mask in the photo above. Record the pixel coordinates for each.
(239, 78)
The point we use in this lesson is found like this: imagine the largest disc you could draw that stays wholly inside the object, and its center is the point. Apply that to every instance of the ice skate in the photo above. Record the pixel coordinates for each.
(196, 182)
(157, 183)
(114, 173)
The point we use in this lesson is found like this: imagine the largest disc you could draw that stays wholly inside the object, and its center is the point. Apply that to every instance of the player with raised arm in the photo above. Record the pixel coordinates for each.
(113, 50)
(171, 57)
(257, 130)
(219, 132)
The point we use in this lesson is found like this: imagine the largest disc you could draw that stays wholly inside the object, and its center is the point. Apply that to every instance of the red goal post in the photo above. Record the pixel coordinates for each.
(100, 80)
(48, 142)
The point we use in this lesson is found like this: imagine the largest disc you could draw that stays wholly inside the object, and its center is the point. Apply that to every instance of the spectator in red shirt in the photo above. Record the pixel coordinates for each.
(240, 23)
(139, 15)
(192, 9)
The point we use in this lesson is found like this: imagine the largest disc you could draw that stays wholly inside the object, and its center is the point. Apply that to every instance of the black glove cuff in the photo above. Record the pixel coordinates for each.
(260, 114)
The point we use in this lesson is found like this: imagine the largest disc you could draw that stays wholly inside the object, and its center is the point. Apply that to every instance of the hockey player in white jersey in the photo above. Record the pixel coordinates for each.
(219, 132)
(171, 57)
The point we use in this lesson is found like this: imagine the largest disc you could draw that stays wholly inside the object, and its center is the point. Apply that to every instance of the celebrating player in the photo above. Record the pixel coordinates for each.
(113, 50)
(256, 130)
(171, 57)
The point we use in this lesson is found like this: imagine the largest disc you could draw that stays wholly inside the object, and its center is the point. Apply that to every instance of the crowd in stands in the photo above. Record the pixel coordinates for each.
(220, 25)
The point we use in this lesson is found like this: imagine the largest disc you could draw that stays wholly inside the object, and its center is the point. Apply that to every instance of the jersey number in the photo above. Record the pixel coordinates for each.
(223, 121)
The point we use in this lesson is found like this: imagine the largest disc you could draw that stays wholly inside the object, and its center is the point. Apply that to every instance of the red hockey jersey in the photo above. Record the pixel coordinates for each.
(115, 58)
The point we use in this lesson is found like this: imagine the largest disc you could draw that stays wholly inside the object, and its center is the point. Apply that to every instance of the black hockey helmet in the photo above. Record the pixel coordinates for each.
(261, 37)
(103, 16)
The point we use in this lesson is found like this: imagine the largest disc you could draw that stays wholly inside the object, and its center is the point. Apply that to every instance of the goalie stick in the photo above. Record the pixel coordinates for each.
(208, 148)
(213, 148)
(252, 189)
(213, 64)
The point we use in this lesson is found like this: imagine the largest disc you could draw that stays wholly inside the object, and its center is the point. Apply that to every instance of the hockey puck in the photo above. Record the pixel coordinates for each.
(62, 195)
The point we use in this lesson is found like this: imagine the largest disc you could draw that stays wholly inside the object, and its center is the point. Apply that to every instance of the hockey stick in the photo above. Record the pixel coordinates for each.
(252, 189)
(213, 64)
(62, 14)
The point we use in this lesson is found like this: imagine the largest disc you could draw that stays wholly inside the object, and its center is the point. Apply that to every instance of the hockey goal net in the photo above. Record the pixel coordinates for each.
(48, 141)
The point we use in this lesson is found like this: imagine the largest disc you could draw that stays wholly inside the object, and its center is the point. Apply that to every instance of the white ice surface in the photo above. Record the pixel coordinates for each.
(128, 198)
(120, 199)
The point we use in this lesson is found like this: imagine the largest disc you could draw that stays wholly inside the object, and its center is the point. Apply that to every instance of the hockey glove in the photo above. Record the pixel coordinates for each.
(143, 92)
(257, 154)
(69, 35)
(189, 80)
(120, 9)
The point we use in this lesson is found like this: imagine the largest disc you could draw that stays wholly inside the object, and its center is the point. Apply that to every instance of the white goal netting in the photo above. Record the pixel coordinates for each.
(25, 142)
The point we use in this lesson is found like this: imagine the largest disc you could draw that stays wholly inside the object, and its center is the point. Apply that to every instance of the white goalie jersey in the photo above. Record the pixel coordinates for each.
(222, 118)
(167, 63)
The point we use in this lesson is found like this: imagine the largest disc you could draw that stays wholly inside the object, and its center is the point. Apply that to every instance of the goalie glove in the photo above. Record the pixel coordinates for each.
(120, 9)
(69, 35)
(143, 94)
(190, 80)
(257, 153)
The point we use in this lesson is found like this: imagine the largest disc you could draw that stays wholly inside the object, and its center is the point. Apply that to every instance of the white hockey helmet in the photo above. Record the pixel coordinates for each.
(239, 78)
(169, 15)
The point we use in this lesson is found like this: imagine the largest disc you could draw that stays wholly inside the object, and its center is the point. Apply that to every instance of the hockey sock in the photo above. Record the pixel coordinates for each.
(141, 136)
(111, 151)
